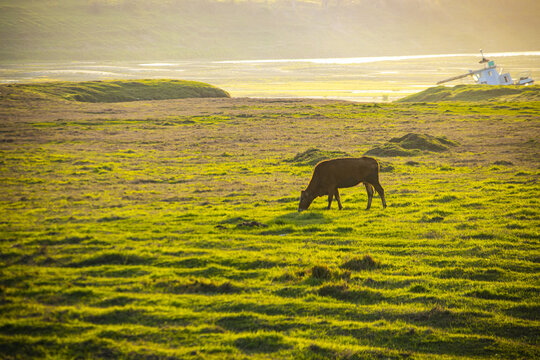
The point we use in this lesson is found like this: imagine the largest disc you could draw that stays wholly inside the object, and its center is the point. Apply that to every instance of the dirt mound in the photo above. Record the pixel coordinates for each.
(391, 150)
(313, 156)
(412, 144)
(424, 142)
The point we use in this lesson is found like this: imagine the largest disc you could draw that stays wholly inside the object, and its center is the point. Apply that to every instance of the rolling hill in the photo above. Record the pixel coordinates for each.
(116, 90)
(476, 93)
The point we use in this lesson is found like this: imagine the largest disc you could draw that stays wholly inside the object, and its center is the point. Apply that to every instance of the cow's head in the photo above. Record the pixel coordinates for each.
(305, 200)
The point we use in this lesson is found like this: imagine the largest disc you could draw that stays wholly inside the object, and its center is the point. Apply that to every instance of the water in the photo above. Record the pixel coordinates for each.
(383, 78)
(365, 60)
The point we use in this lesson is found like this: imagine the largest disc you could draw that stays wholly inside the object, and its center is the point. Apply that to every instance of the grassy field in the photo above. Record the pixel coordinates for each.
(169, 229)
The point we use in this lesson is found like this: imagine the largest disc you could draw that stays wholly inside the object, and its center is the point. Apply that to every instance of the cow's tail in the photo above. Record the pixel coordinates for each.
(373, 179)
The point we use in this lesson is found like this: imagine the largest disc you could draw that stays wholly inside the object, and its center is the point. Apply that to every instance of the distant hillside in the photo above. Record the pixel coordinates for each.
(56, 30)
(476, 93)
(118, 91)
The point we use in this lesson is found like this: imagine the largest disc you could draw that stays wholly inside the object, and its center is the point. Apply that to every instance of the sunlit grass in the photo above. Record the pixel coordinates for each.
(176, 235)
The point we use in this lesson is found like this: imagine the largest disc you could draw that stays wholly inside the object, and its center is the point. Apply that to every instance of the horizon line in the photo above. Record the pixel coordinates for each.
(369, 59)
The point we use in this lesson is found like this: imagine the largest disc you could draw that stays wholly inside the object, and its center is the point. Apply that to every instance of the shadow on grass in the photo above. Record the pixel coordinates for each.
(436, 317)
(41, 328)
(197, 286)
(137, 317)
(490, 274)
(316, 352)
(112, 258)
(252, 323)
(68, 240)
(116, 301)
(39, 348)
(68, 297)
(527, 311)
(261, 343)
(301, 219)
(344, 293)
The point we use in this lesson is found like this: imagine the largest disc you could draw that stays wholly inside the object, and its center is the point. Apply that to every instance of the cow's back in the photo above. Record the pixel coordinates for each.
(345, 172)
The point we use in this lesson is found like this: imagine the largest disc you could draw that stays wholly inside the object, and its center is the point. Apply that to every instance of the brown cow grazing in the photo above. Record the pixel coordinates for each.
(330, 175)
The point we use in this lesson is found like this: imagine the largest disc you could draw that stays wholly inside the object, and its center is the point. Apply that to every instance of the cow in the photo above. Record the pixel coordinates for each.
(330, 175)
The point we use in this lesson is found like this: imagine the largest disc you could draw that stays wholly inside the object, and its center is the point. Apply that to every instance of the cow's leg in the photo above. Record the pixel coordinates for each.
(369, 190)
(336, 194)
(330, 196)
(380, 190)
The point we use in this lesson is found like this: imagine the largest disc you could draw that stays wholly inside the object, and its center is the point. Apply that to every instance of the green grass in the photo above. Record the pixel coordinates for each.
(119, 90)
(164, 230)
(476, 93)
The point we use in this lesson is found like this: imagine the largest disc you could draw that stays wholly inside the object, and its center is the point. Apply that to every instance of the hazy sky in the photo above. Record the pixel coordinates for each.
(260, 29)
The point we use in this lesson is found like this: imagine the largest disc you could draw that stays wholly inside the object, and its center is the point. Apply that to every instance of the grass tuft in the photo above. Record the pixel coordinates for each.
(367, 262)
(321, 272)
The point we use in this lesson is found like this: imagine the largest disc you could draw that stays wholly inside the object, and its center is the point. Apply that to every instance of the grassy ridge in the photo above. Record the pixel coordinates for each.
(120, 90)
(476, 93)
(162, 231)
